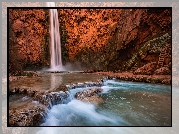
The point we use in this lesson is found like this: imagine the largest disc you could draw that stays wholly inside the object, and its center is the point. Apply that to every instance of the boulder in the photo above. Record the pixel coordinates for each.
(90, 96)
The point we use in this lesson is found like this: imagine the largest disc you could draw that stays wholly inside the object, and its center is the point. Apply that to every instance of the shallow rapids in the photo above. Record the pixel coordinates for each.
(125, 104)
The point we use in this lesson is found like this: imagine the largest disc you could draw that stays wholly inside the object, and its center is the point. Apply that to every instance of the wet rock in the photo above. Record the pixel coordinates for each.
(87, 93)
(33, 113)
(90, 84)
(86, 84)
(29, 116)
(18, 90)
(62, 88)
(90, 96)
(52, 98)
(93, 99)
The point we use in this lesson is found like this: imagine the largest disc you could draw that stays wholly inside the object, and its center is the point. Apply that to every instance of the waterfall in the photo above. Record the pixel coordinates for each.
(55, 48)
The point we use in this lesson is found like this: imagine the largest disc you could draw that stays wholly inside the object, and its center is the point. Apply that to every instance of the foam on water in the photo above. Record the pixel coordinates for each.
(125, 104)
(77, 113)
(117, 84)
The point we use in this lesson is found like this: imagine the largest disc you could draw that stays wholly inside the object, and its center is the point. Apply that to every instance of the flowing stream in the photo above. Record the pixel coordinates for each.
(125, 104)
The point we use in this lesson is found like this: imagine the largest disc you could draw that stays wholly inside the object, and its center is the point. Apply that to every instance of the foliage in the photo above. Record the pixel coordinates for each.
(155, 45)
(152, 46)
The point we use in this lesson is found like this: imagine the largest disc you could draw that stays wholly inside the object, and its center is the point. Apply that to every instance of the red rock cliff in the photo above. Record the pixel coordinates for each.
(100, 39)
(113, 39)
(28, 31)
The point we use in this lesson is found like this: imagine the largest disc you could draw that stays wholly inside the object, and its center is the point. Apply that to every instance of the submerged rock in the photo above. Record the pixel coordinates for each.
(90, 96)
(93, 99)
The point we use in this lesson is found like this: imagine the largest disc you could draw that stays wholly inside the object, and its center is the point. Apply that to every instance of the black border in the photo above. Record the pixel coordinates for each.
(78, 8)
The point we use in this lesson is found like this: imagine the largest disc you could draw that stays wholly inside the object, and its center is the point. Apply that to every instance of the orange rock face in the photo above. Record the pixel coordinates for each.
(29, 28)
(88, 28)
(100, 39)
(109, 38)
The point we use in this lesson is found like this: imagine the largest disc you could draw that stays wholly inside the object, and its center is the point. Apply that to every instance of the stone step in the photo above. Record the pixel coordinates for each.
(161, 58)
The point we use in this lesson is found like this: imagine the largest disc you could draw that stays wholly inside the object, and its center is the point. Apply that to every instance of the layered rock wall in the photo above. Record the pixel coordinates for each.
(99, 39)
(110, 39)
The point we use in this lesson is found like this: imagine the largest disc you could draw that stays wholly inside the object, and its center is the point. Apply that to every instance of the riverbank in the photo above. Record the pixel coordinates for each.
(38, 99)
(129, 76)
(30, 97)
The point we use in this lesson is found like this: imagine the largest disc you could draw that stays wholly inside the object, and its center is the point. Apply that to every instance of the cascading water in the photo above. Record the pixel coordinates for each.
(56, 59)
(124, 104)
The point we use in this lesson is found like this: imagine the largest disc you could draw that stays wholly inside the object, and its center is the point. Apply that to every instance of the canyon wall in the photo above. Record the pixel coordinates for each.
(28, 39)
(118, 39)
(99, 39)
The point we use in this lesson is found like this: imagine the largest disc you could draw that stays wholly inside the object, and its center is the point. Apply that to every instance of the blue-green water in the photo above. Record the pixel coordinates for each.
(125, 104)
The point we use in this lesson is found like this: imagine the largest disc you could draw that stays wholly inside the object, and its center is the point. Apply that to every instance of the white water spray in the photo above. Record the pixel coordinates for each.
(56, 59)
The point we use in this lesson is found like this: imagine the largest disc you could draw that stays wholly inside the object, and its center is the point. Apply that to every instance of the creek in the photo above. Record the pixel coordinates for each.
(125, 104)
